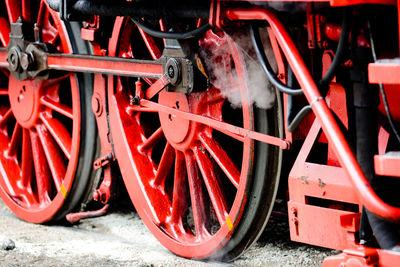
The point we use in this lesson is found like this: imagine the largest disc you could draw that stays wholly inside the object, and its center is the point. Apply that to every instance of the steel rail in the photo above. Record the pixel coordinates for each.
(363, 188)
(218, 125)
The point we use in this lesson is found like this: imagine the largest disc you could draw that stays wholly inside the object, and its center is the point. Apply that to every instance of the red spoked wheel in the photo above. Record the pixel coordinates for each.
(203, 193)
(46, 137)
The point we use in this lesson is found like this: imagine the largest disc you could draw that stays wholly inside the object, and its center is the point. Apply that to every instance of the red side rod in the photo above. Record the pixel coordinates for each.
(321, 110)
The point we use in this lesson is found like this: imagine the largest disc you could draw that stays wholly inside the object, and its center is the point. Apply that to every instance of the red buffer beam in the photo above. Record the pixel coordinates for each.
(367, 195)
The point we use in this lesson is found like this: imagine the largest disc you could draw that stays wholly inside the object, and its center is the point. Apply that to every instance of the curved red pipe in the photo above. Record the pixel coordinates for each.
(366, 194)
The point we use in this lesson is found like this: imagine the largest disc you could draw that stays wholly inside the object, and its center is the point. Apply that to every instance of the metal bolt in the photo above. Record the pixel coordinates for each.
(171, 72)
(96, 195)
(134, 100)
(13, 58)
(97, 106)
(26, 61)
(294, 211)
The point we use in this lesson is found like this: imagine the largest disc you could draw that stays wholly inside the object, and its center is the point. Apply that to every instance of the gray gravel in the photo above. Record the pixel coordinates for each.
(6, 244)
(121, 239)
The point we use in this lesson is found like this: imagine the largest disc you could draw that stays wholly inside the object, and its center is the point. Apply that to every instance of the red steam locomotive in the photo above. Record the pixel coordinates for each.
(208, 110)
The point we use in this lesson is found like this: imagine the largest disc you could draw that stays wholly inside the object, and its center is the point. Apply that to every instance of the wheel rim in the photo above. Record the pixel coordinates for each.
(40, 125)
(185, 179)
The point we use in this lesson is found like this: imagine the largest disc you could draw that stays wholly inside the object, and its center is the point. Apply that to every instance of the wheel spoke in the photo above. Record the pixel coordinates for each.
(54, 159)
(41, 14)
(13, 10)
(213, 185)
(150, 44)
(56, 81)
(59, 107)
(179, 194)
(222, 159)
(233, 135)
(41, 169)
(26, 159)
(4, 32)
(26, 10)
(153, 139)
(6, 118)
(59, 133)
(50, 33)
(167, 159)
(197, 197)
(15, 140)
(3, 91)
(215, 97)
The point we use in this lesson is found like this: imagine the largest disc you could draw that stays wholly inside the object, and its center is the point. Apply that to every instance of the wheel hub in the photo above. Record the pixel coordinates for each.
(176, 129)
(23, 97)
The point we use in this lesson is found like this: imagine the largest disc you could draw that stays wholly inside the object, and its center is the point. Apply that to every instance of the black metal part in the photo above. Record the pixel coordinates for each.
(259, 48)
(173, 69)
(325, 80)
(178, 67)
(26, 58)
(294, 117)
(13, 58)
(344, 35)
(129, 9)
(134, 100)
(299, 117)
(365, 104)
(171, 35)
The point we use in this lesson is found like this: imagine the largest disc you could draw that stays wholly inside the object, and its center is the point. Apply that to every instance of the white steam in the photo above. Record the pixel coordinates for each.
(223, 73)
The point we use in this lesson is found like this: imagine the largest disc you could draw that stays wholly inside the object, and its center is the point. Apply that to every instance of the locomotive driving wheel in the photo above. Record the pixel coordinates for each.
(203, 193)
(46, 138)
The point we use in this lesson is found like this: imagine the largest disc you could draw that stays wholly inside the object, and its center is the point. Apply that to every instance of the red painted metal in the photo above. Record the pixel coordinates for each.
(393, 98)
(89, 30)
(99, 100)
(387, 73)
(363, 256)
(319, 181)
(384, 72)
(346, 157)
(361, 2)
(188, 154)
(104, 65)
(48, 147)
(4, 35)
(313, 185)
(166, 145)
(217, 125)
(336, 3)
(4, 53)
(156, 87)
(76, 217)
(388, 164)
(13, 10)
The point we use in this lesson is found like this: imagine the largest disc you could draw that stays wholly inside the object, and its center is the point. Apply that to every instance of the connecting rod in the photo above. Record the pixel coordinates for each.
(96, 64)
